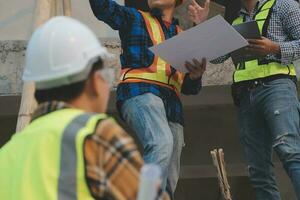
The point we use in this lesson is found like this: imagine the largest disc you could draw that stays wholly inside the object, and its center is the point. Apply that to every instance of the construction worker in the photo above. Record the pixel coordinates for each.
(264, 90)
(71, 149)
(148, 93)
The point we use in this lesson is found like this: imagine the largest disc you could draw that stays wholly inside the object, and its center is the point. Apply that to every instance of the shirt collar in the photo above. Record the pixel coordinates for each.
(48, 107)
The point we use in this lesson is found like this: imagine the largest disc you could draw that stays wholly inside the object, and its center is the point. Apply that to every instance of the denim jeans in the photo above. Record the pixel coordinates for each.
(162, 141)
(269, 119)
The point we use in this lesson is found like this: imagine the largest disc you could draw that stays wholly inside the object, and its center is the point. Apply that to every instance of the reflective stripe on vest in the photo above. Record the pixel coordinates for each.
(159, 72)
(67, 183)
(255, 69)
(50, 161)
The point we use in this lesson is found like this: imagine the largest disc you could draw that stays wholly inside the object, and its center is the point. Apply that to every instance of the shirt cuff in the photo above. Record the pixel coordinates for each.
(190, 86)
(286, 53)
(191, 82)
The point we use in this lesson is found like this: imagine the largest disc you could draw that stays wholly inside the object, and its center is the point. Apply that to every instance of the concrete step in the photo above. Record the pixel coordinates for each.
(210, 123)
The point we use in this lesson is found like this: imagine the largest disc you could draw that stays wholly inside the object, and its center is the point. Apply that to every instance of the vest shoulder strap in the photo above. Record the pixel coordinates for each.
(153, 27)
(263, 16)
(238, 20)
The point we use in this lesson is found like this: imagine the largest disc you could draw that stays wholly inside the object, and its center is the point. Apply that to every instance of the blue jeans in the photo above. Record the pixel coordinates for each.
(162, 140)
(269, 119)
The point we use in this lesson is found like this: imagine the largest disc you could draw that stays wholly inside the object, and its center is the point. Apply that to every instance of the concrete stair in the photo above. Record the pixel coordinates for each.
(210, 123)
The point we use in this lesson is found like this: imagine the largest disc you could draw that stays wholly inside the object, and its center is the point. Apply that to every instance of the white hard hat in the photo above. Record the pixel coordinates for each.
(61, 52)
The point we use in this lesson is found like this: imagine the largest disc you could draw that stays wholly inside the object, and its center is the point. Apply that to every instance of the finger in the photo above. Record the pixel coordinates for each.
(197, 63)
(254, 51)
(255, 46)
(250, 50)
(254, 41)
(202, 65)
(190, 70)
(207, 3)
(192, 9)
(199, 8)
(190, 67)
(194, 3)
(191, 14)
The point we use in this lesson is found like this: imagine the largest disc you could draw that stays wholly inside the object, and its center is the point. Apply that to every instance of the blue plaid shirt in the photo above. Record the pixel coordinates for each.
(135, 42)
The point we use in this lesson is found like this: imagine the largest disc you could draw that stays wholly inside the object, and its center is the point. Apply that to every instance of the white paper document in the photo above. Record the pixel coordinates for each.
(211, 39)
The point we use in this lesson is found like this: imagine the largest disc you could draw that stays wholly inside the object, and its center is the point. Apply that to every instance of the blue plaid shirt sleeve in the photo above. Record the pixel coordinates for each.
(191, 87)
(220, 59)
(113, 14)
(290, 17)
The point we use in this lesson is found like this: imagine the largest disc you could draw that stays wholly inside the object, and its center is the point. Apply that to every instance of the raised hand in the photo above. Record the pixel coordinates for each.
(197, 13)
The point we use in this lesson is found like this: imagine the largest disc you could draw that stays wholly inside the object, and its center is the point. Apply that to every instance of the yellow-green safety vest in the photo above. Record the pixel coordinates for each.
(46, 161)
(159, 72)
(255, 69)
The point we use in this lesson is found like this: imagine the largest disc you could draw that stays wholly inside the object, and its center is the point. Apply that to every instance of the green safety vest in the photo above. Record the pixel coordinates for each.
(46, 161)
(255, 69)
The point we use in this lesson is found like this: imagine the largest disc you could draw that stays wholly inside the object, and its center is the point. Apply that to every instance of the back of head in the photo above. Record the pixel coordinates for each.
(60, 56)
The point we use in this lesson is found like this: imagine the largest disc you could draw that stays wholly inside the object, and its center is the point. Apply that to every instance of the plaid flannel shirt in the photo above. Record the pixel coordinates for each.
(112, 161)
(135, 42)
(284, 28)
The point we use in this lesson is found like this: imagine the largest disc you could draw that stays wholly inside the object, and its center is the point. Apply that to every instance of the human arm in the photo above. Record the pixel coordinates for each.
(113, 14)
(197, 13)
(192, 82)
(113, 162)
(289, 49)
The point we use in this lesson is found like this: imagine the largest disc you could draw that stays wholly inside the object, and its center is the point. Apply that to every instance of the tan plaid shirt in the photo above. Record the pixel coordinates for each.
(112, 159)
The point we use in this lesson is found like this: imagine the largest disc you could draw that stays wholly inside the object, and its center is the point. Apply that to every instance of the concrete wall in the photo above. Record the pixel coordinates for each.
(12, 55)
(16, 19)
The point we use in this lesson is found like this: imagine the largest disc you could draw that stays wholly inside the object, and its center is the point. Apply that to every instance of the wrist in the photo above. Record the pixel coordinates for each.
(276, 48)
(197, 22)
(194, 78)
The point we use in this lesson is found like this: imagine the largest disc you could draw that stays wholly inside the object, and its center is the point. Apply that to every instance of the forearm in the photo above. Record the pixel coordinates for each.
(290, 17)
(191, 87)
(220, 59)
(289, 51)
(113, 14)
(125, 162)
(112, 162)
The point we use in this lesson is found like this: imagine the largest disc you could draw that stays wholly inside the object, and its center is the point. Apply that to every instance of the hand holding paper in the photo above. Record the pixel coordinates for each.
(211, 39)
(263, 47)
(196, 69)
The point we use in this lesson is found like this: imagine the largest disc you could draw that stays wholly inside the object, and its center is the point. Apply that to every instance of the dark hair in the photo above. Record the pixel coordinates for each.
(66, 92)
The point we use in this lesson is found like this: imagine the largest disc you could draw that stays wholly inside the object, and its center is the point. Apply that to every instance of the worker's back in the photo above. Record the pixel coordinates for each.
(45, 161)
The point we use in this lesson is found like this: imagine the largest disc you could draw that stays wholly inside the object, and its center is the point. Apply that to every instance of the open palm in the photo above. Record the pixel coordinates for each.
(197, 13)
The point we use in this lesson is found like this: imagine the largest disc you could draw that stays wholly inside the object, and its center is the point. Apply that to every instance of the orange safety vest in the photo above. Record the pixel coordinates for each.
(159, 72)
